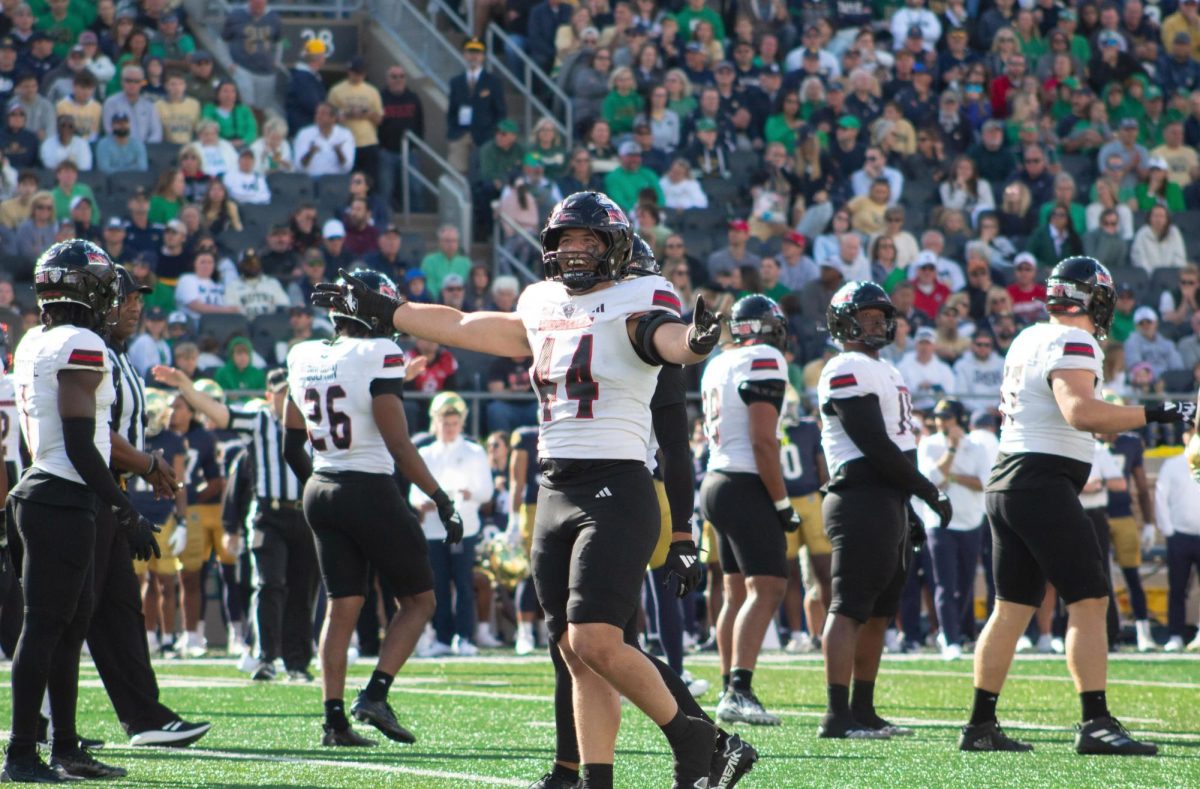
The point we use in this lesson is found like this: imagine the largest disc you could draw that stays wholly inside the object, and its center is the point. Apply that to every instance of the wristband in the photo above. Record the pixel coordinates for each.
(153, 464)
(783, 503)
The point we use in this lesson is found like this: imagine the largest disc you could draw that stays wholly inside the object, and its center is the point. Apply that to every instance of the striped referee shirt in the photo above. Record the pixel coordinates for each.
(273, 478)
(129, 409)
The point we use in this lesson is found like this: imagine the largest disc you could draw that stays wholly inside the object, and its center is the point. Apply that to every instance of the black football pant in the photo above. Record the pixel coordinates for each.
(285, 586)
(117, 634)
(58, 548)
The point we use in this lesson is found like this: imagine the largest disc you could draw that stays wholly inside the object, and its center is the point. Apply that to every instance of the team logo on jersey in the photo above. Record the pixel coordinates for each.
(568, 310)
(86, 358)
(768, 364)
(1079, 349)
(665, 298)
(843, 381)
(393, 360)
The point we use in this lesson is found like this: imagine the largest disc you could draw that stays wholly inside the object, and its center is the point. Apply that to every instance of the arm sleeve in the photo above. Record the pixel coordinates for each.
(295, 452)
(863, 422)
(79, 441)
(671, 429)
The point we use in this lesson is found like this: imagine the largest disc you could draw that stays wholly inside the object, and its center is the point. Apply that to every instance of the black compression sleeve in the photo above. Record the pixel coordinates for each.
(671, 430)
(79, 440)
(769, 391)
(296, 453)
(386, 386)
(863, 421)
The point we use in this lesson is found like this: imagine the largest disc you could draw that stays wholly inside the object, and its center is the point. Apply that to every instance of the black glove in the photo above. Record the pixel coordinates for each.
(941, 505)
(1171, 411)
(357, 299)
(451, 520)
(705, 331)
(789, 519)
(683, 562)
(916, 528)
(140, 533)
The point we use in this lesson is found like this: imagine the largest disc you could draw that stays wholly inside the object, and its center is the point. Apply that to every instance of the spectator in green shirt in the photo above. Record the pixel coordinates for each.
(168, 198)
(69, 188)
(623, 103)
(446, 260)
(624, 183)
(769, 272)
(1158, 190)
(697, 11)
(499, 158)
(235, 121)
(61, 25)
(238, 373)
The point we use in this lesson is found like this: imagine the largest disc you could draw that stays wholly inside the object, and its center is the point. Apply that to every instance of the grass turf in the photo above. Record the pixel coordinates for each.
(489, 722)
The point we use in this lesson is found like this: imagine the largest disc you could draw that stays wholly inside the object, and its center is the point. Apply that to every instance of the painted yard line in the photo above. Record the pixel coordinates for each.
(182, 681)
(1145, 683)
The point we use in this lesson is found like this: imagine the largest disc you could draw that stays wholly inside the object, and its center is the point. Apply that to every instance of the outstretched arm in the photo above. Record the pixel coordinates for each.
(199, 401)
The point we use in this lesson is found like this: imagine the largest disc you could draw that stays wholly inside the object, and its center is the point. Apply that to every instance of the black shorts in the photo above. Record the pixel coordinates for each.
(868, 529)
(596, 527)
(1041, 535)
(750, 540)
(360, 521)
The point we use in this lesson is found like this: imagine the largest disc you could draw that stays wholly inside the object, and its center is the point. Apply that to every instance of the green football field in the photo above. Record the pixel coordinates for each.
(489, 722)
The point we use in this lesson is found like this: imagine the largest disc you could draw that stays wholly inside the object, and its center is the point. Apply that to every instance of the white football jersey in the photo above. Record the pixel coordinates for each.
(854, 374)
(726, 415)
(330, 382)
(1032, 419)
(10, 430)
(41, 356)
(593, 387)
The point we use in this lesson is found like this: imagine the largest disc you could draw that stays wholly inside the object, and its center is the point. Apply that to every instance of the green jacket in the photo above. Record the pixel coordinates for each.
(497, 165)
(62, 202)
(623, 186)
(230, 377)
(687, 18)
(237, 125)
(436, 266)
(620, 111)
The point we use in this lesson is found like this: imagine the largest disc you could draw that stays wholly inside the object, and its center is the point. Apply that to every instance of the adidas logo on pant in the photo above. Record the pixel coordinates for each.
(604, 493)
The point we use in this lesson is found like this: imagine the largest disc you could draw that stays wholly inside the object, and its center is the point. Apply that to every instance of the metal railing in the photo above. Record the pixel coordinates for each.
(507, 261)
(451, 186)
(336, 8)
(420, 40)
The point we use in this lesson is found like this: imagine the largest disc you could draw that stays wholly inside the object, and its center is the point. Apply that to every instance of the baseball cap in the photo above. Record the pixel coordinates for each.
(357, 64)
(507, 126)
(200, 56)
(155, 314)
(772, 68)
(532, 160)
(77, 50)
(740, 225)
(315, 46)
(1125, 289)
(983, 419)
(926, 334)
(445, 402)
(40, 35)
(993, 125)
(333, 229)
(8, 43)
(413, 273)
(946, 408)
(120, 117)
(630, 148)
(694, 46)
(915, 31)
(452, 281)
(724, 65)
(88, 37)
(1153, 92)
(169, 16)
(792, 237)
(473, 45)
(177, 317)
(925, 258)
(114, 222)
(147, 258)
(391, 228)
(1129, 123)
(1024, 259)
(77, 199)
(177, 225)
(1145, 313)
(849, 122)
(277, 379)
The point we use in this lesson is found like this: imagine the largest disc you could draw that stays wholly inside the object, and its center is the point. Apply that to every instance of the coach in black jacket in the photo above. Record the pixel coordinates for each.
(476, 106)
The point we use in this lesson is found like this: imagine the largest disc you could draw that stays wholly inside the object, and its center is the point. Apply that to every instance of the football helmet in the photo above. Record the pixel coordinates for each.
(376, 281)
(842, 314)
(211, 388)
(127, 285)
(1081, 285)
(757, 319)
(158, 411)
(77, 272)
(641, 260)
(579, 270)
(506, 564)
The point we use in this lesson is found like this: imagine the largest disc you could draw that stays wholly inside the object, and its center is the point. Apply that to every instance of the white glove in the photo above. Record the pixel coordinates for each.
(178, 540)
(1147, 537)
(513, 533)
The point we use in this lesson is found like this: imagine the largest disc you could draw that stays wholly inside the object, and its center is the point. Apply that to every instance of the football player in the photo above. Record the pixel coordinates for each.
(744, 495)
(64, 384)
(597, 343)
(1040, 533)
(346, 398)
(522, 502)
(870, 442)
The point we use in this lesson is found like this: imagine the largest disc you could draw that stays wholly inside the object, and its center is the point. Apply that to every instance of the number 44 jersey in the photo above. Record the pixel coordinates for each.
(593, 386)
(854, 374)
(333, 383)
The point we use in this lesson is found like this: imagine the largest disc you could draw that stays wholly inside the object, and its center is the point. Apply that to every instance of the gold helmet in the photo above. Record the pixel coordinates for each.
(211, 388)
(254, 404)
(791, 407)
(507, 566)
(158, 411)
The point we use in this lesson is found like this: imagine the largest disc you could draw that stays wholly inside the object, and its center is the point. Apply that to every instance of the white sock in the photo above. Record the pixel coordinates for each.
(525, 629)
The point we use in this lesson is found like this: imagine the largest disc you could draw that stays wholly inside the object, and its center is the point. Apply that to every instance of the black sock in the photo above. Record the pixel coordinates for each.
(839, 698)
(677, 730)
(724, 682)
(1095, 704)
(565, 774)
(377, 689)
(335, 715)
(984, 710)
(596, 776)
(740, 679)
(863, 704)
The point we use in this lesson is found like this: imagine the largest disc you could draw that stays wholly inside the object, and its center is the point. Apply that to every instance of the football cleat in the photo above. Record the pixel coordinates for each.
(552, 781)
(299, 675)
(879, 724)
(43, 736)
(380, 715)
(30, 770)
(264, 672)
(845, 727)
(736, 707)
(697, 687)
(989, 737)
(79, 764)
(176, 734)
(1106, 736)
(345, 738)
(732, 759)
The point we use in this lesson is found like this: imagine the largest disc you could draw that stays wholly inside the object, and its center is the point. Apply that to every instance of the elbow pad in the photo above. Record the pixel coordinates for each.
(647, 325)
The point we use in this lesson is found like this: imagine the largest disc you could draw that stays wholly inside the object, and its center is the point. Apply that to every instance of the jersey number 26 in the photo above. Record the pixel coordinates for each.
(339, 422)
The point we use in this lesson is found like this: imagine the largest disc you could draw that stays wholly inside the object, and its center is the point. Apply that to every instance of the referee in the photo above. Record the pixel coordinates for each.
(281, 544)
(116, 636)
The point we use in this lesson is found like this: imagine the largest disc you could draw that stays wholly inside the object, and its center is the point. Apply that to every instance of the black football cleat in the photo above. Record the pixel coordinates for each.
(732, 758)
(30, 770)
(1107, 737)
(380, 715)
(845, 727)
(989, 737)
(345, 738)
(79, 765)
(693, 764)
(43, 736)
(264, 671)
(552, 781)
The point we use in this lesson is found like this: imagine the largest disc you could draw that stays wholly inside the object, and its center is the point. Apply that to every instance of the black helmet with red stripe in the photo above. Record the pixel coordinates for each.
(581, 270)
(77, 272)
(850, 299)
(642, 262)
(757, 320)
(1081, 285)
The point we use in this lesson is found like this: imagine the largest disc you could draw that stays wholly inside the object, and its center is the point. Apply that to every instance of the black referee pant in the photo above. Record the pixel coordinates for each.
(117, 635)
(285, 585)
